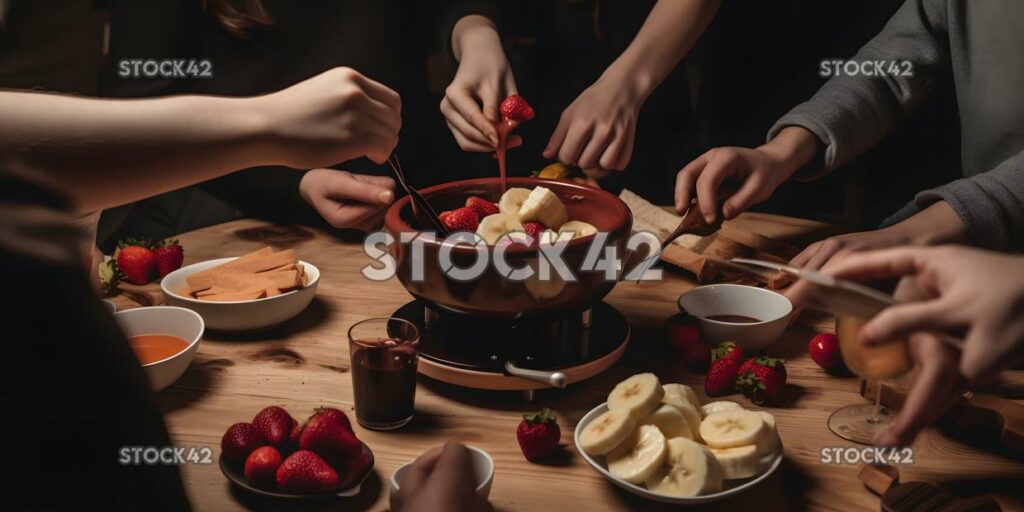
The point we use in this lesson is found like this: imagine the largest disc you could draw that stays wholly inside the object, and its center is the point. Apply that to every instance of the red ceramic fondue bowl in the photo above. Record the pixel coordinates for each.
(492, 294)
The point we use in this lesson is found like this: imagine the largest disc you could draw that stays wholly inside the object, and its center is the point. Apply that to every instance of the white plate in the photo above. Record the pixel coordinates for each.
(733, 487)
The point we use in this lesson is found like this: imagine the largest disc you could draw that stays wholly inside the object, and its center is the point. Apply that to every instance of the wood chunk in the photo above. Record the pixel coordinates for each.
(283, 268)
(273, 292)
(879, 477)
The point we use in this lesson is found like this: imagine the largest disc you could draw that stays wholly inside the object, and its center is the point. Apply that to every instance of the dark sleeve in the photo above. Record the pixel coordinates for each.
(852, 113)
(78, 393)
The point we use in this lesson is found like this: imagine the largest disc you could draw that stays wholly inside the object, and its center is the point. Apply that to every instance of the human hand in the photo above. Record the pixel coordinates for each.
(346, 200)
(484, 79)
(336, 116)
(956, 291)
(440, 480)
(596, 131)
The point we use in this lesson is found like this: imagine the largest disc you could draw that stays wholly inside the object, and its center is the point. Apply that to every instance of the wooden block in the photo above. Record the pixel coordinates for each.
(879, 477)
(266, 251)
(283, 268)
(700, 265)
(273, 292)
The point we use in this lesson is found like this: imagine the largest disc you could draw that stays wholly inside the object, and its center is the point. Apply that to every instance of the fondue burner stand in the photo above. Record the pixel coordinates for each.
(521, 354)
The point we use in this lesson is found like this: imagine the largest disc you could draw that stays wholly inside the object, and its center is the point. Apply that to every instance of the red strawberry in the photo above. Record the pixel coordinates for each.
(336, 415)
(721, 377)
(534, 229)
(352, 468)
(305, 472)
(330, 438)
(261, 466)
(461, 219)
(444, 215)
(240, 440)
(761, 378)
(293, 437)
(481, 206)
(275, 424)
(517, 109)
(824, 350)
(538, 434)
(728, 349)
(169, 257)
(136, 263)
(682, 332)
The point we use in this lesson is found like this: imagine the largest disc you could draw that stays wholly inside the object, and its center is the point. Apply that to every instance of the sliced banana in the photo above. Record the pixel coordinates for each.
(550, 237)
(640, 395)
(726, 429)
(670, 421)
(639, 456)
(542, 205)
(683, 397)
(691, 470)
(723, 405)
(578, 228)
(495, 226)
(676, 393)
(738, 462)
(542, 290)
(769, 441)
(607, 431)
(512, 200)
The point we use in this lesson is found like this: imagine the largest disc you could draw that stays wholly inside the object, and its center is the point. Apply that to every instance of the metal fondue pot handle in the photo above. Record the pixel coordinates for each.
(553, 379)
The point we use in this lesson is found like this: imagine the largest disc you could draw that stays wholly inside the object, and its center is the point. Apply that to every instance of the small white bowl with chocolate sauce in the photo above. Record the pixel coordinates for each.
(752, 317)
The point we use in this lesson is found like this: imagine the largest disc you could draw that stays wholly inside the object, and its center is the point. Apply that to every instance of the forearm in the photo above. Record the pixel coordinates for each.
(474, 31)
(792, 149)
(103, 153)
(668, 34)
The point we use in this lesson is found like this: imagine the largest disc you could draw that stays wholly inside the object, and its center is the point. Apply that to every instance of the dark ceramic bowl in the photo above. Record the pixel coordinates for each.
(492, 294)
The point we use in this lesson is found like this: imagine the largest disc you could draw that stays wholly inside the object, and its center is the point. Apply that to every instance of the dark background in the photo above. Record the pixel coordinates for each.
(756, 60)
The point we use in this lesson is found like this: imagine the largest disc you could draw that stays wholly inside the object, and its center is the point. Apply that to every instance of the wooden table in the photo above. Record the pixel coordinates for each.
(304, 364)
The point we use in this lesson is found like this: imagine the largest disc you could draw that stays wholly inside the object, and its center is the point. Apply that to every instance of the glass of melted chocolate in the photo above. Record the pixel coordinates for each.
(383, 355)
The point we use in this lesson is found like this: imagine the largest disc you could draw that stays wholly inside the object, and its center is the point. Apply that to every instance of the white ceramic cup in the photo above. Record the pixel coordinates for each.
(169, 321)
(770, 308)
(483, 472)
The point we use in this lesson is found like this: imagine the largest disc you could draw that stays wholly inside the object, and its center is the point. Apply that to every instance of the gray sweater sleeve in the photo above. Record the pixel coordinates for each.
(990, 204)
(853, 112)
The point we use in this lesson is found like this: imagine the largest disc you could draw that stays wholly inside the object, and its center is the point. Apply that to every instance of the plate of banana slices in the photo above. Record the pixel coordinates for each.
(658, 441)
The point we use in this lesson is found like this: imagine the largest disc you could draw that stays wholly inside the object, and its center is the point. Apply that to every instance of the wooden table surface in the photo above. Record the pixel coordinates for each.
(304, 364)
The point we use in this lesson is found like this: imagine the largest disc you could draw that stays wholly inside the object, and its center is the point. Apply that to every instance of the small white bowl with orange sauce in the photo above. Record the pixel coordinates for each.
(164, 339)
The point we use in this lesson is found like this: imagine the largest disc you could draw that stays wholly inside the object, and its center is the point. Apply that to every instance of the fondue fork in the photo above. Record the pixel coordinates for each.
(415, 196)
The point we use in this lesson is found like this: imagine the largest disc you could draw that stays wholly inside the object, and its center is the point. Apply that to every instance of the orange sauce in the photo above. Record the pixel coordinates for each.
(150, 348)
(505, 128)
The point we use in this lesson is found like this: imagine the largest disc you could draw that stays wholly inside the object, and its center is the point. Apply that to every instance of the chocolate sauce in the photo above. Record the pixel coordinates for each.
(384, 382)
(733, 319)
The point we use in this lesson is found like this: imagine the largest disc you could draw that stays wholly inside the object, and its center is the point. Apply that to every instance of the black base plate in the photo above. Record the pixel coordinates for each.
(484, 344)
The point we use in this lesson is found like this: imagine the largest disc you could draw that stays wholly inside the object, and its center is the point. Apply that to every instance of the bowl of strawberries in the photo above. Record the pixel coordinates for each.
(275, 456)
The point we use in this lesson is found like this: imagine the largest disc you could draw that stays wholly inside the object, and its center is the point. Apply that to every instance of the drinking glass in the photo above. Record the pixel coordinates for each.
(860, 422)
(383, 357)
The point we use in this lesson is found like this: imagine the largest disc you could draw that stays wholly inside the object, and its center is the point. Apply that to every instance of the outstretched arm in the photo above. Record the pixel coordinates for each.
(103, 153)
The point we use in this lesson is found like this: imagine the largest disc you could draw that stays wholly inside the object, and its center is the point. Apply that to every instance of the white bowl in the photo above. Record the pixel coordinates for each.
(240, 315)
(169, 321)
(483, 472)
(733, 487)
(771, 308)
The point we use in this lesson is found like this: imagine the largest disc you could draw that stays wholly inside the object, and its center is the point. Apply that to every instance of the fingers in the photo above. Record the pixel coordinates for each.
(369, 190)
(383, 113)
(610, 159)
(686, 180)
(880, 264)
(627, 153)
(934, 390)
(719, 168)
(467, 107)
(826, 250)
(748, 194)
(416, 475)
(595, 147)
(578, 134)
(903, 319)
(557, 137)
(379, 92)
(466, 135)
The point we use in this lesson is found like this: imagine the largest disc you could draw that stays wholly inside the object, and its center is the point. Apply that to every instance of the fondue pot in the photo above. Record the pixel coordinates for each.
(495, 333)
